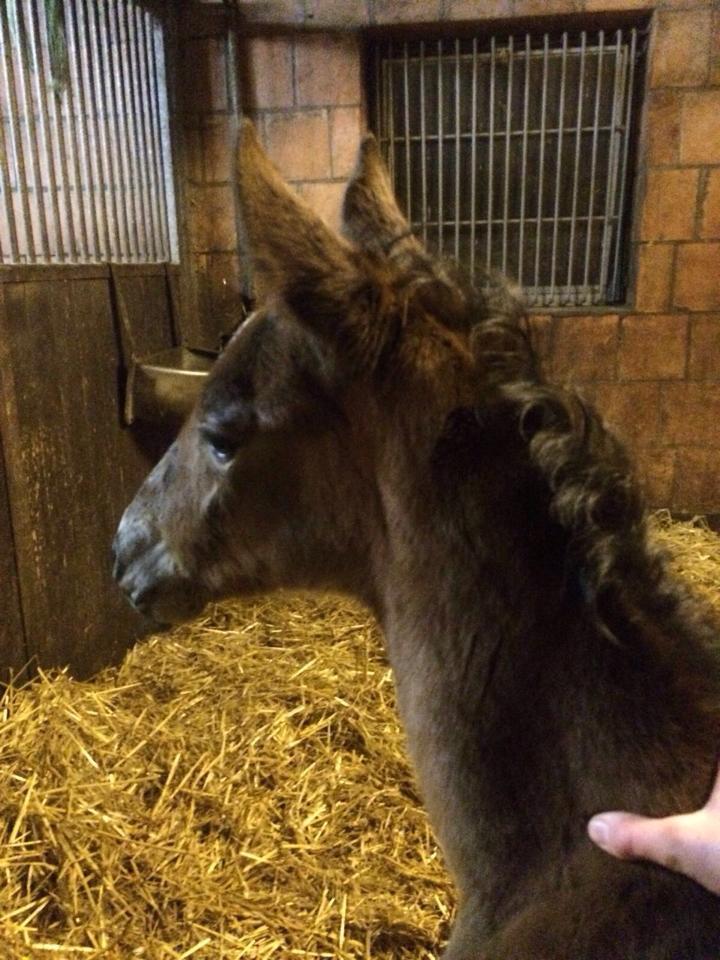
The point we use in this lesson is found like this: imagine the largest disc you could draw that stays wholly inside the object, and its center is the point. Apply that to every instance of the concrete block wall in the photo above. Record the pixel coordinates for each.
(652, 366)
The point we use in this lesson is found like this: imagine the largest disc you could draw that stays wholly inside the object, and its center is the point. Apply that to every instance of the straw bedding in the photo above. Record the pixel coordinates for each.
(236, 788)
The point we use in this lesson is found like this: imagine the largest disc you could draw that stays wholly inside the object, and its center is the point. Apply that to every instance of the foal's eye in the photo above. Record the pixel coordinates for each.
(222, 448)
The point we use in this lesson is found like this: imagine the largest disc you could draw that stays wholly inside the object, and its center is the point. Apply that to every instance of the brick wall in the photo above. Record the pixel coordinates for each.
(652, 368)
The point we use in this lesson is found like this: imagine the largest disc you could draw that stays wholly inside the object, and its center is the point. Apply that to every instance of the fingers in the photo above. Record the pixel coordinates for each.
(629, 836)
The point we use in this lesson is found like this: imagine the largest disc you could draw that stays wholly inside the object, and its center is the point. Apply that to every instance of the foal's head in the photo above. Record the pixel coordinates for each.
(323, 409)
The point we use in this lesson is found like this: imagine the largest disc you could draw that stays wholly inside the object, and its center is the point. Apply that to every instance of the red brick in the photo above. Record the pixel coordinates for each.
(664, 109)
(653, 285)
(271, 11)
(541, 334)
(342, 16)
(531, 8)
(605, 5)
(697, 276)
(655, 469)
(680, 50)
(669, 205)
(211, 219)
(325, 199)
(632, 410)
(714, 74)
(697, 481)
(327, 70)
(704, 361)
(691, 413)
(652, 347)
(299, 143)
(268, 72)
(345, 130)
(472, 10)
(710, 206)
(205, 63)
(585, 348)
(700, 127)
(406, 11)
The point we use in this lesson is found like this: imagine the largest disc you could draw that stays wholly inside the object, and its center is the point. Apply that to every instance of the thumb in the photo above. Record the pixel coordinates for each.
(629, 836)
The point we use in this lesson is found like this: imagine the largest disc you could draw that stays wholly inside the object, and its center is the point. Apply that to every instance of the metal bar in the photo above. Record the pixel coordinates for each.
(391, 114)
(423, 148)
(491, 130)
(378, 89)
(121, 121)
(32, 138)
(576, 165)
(77, 96)
(69, 240)
(615, 289)
(541, 161)
(16, 144)
(473, 160)
(169, 219)
(612, 168)
(106, 130)
(8, 202)
(111, 118)
(123, 9)
(148, 125)
(35, 43)
(593, 161)
(558, 164)
(523, 172)
(506, 186)
(139, 112)
(441, 216)
(457, 148)
(406, 108)
(91, 104)
(75, 193)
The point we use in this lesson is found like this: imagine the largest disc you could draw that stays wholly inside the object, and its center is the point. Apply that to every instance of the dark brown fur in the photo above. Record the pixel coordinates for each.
(378, 428)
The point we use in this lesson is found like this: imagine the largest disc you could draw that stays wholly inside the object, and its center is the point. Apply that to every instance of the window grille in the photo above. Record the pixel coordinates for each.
(85, 165)
(514, 153)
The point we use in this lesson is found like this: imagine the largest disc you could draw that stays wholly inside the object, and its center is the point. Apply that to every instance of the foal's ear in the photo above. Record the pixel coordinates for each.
(294, 255)
(371, 217)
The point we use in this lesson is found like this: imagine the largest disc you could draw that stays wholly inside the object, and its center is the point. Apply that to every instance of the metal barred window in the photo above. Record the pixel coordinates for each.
(513, 153)
(85, 164)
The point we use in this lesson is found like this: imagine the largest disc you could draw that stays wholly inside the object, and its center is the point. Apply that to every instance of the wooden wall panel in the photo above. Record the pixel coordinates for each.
(71, 466)
(13, 651)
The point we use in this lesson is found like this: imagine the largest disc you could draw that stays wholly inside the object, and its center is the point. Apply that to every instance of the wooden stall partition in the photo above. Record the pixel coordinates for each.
(71, 465)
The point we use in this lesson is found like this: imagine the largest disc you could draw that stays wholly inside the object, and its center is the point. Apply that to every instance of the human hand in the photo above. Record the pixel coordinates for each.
(688, 843)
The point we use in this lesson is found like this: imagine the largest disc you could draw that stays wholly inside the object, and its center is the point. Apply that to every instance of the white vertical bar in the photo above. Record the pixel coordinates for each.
(615, 284)
(541, 168)
(76, 193)
(165, 158)
(35, 37)
(612, 167)
(558, 166)
(77, 96)
(406, 117)
(491, 149)
(523, 173)
(16, 144)
(441, 210)
(576, 166)
(423, 143)
(67, 241)
(124, 157)
(473, 159)
(593, 165)
(457, 149)
(105, 127)
(508, 138)
(132, 113)
(140, 119)
(148, 105)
